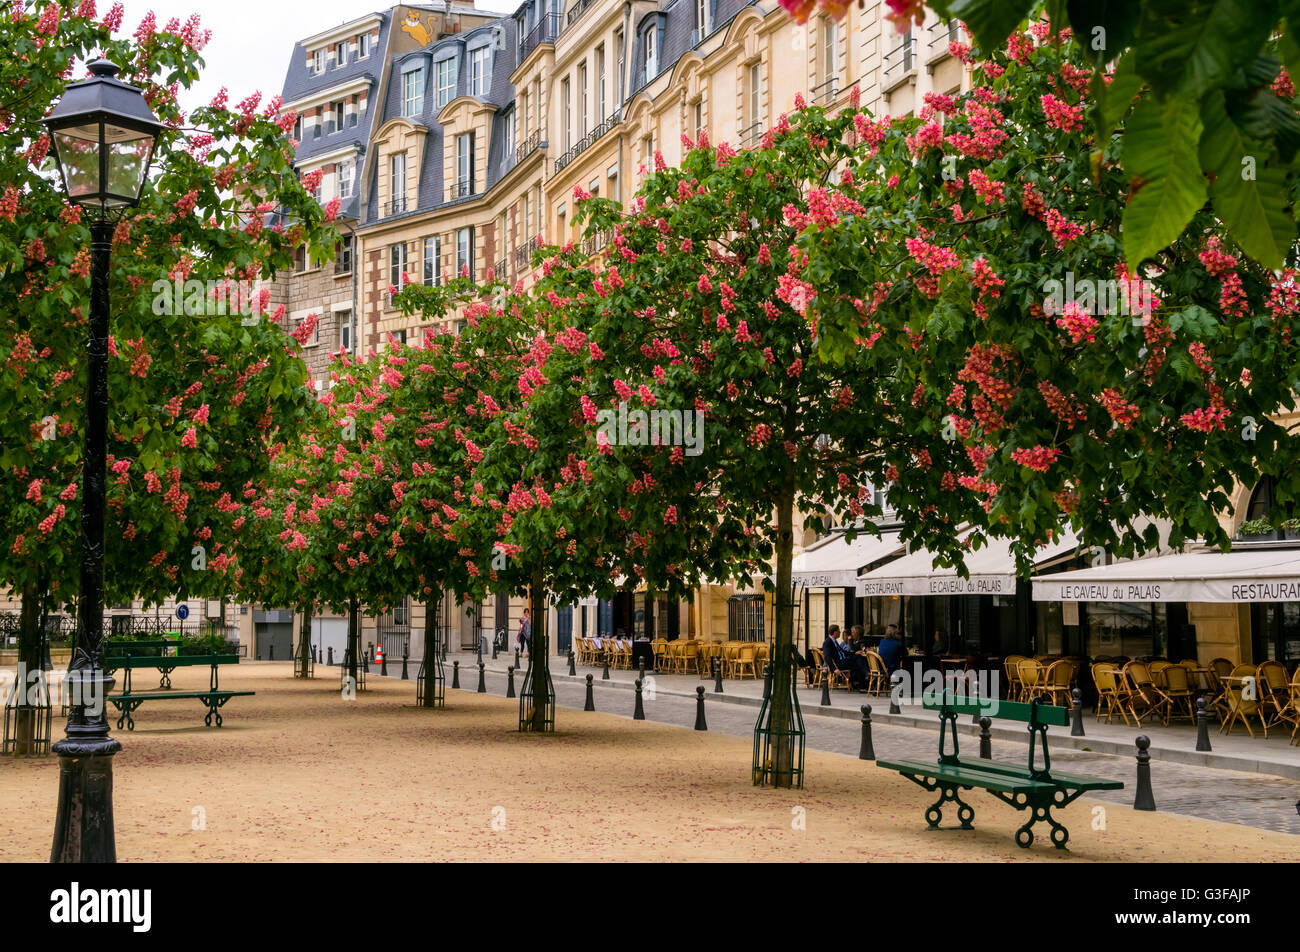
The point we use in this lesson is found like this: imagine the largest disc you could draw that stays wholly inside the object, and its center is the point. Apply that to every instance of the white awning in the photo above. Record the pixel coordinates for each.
(992, 571)
(1258, 575)
(835, 563)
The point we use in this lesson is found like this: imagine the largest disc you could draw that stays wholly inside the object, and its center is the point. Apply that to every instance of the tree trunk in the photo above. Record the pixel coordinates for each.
(30, 666)
(539, 651)
(354, 640)
(782, 658)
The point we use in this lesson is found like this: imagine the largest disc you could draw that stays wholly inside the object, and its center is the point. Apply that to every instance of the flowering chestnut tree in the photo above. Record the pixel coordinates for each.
(975, 249)
(197, 388)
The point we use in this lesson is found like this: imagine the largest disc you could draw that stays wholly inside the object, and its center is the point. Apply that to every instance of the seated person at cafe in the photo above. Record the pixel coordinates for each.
(938, 646)
(891, 649)
(834, 653)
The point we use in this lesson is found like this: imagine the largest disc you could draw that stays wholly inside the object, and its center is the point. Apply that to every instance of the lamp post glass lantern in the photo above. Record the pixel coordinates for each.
(103, 134)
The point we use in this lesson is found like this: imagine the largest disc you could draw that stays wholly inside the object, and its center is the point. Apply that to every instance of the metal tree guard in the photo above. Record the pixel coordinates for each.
(771, 738)
(527, 708)
(431, 683)
(304, 663)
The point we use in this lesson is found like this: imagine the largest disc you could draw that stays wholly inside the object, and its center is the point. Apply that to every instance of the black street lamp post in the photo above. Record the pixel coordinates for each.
(103, 134)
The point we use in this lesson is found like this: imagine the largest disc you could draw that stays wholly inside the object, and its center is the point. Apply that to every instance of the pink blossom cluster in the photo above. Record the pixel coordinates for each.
(1037, 458)
(1120, 410)
(1078, 323)
(1061, 115)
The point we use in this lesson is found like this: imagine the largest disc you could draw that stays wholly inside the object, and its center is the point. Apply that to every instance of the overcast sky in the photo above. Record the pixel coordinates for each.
(252, 39)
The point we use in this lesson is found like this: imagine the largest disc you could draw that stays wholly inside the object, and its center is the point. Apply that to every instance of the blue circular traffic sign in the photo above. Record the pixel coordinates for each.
(182, 612)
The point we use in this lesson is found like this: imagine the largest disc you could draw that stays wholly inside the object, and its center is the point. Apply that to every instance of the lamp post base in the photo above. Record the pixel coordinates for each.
(83, 829)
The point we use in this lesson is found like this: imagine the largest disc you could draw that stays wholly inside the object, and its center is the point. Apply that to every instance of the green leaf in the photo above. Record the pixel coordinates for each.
(1113, 99)
(1160, 156)
(990, 20)
(1115, 19)
(1256, 208)
(1191, 51)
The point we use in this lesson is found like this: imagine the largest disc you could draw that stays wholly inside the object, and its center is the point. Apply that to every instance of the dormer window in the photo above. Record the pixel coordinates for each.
(413, 92)
(478, 71)
(341, 53)
(446, 81)
(363, 46)
(652, 53)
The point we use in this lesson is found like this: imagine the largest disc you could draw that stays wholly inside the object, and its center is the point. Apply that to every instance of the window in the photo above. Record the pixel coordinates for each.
(344, 319)
(523, 217)
(433, 261)
(397, 183)
(830, 49)
(446, 81)
(752, 93)
(396, 264)
(314, 339)
(478, 71)
(510, 120)
(565, 105)
(601, 112)
(345, 173)
(651, 53)
(318, 61)
(363, 46)
(615, 190)
(699, 118)
(465, 164)
(297, 129)
(621, 52)
(413, 92)
(341, 53)
(465, 250)
(343, 256)
(582, 100)
(338, 116)
(702, 19)
(400, 336)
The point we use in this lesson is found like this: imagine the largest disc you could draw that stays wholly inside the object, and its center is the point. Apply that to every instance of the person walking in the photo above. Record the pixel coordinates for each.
(526, 632)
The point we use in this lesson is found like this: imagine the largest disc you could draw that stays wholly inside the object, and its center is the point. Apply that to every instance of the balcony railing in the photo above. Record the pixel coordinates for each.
(500, 270)
(544, 32)
(825, 94)
(901, 58)
(575, 11)
(588, 140)
(397, 206)
(459, 190)
(528, 146)
(749, 137)
(524, 254)
(597, 242)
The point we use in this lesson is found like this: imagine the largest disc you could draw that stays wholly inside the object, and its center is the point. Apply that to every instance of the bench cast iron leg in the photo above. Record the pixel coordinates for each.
(947, 793)
(213, 705)
(1041, 810)
(126, 707)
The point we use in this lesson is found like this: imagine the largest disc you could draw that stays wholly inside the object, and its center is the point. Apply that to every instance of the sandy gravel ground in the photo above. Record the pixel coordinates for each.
(297, 773)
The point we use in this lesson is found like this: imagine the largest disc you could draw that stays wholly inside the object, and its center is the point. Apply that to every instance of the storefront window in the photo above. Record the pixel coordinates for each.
(1277, 631)
(1051, 628)
(1131, 629)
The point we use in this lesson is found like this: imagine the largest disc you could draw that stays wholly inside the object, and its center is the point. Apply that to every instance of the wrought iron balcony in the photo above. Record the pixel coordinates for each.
(459, 190)
(528, 146)
(524, 254)
(824, 94)
(750, 136)
(902, 58)
(597, 242)
(544, 32)
(589, 140)
(397, 206)
(575, 11)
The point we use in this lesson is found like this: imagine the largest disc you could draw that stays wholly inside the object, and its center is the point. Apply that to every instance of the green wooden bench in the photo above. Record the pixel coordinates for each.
(214, 698)
(1029, 787)
(158, 654)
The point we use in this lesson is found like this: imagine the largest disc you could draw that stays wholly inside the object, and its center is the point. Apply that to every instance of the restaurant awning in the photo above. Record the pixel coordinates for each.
(992, 571)
(835, 563)
(1258, 575)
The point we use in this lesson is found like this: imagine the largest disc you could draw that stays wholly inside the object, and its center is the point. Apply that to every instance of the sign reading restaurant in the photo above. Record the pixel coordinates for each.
(1170, 590)
(939, 585)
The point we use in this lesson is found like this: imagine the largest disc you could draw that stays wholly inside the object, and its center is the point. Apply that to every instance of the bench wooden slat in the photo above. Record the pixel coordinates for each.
(169, 695)
(966, 775)
(1066, 781)
(1006, 710)
(175, 661)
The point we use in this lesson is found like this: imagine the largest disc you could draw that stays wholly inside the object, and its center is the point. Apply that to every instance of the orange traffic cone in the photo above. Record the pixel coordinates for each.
(379, 654)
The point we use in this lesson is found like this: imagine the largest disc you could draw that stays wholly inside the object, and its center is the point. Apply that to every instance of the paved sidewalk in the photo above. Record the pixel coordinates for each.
(1252, 798)
(1177, 742)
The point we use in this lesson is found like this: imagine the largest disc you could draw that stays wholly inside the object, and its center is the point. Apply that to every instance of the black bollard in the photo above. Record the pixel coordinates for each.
(482, 684)
(640, 667)
(895, 680)
(478, 648)
(383, 666)
(494, 649)
(767, 681)
(510, 682)
(826, 687)
(986, 739)
(270, 653)
(455, 674)
(365, 659)
(591, 701)
(313, 654)
(1076, 726)
(331, 656)
(573, 671)
(638, 713)
(700, 724)
(975, 697)
(867, 751)
(1145, 799)
(405, 656)
(717, 675)
(605, 674)
(1202, 725)
(516, 657)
